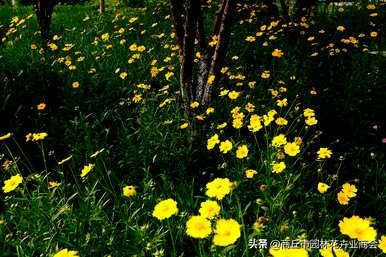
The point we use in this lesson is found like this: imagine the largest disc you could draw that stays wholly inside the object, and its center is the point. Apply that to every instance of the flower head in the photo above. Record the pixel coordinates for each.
(12, 183)
(357, 228)
(226, 232)
(219, 188)
(165, 209)
(198, 227)
(322, 187)
(66, 253)
(209, 209)
(129, 191)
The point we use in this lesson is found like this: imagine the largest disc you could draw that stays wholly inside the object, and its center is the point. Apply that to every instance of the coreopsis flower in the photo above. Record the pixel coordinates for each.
(277, 53)
(340, 28)
(184, 125)
(242, 152)
(12, 183)
(266, 74)
(288, 252)
(278, 167)
(137, 98)
(292, 149)
(198, 227)
(233, 95)
(382, 244)
(53, 184)
(255, 123)
(212, 142)
(322, 187)
(165, 209)
(373, 34)
(282, 103)
(310, 121)
(66, 253)
(308, 113)
(225, 146)
(86, 169)
(227, 232)
(211, 79)
(6, 136)
(250, 173)
(279, 140)
(194, 105)
(281, 121)
(169, 75)
(75, 84)
(357, 228)
(39, 136)
(250, 39)
(129, 191)
(343, 199)
(219, 188)
(41, 106)
(324, 153)
(123, 75)
(209, 209)
(349, 190)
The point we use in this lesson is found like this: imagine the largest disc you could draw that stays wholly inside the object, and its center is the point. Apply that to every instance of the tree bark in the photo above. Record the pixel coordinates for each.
(44, 9)
(102, 6)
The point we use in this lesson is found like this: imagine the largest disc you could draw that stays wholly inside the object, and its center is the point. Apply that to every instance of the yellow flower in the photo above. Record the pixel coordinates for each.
(226, 233)
(169, 75)
(281, 121)
(194, 105)
(357, 228)
(322, 187)
(211, 79)
(39, 136)
(374, 34)
(250, 39)
(333, 252)
(222, 125)
(343, 199)
(288, 252)
(233, 95)
(349, 190)
(105, 37)
(382, 244)
(75, 84)
(12, 183)
(250, 173)
(123, 75)
(2, 222)
(86, 169)
(184, 125)
(255, 123)
(282, 103)
(198, 227)
(137, 98)
(6, 136)
(340, 28)
(292, 149)
(308, 113)
(209, 209)
(278, 167)
(266, 74)
(53, 184)
(165, 209)
(242, 152)
(41, 106)
(65, 160)
(129, 191)
(212, 142)
(324, 153)
(310, 121)
(97, 153)
(66, 253)
(225, 146)
(277, 53)
(279, 140)
(219, 188)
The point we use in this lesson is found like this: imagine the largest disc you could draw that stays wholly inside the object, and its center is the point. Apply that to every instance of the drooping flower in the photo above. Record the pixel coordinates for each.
(86, 169)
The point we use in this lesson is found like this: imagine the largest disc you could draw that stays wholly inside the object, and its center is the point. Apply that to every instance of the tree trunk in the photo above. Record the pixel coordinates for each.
(44, 9)
(188, 28)
(101, 6)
